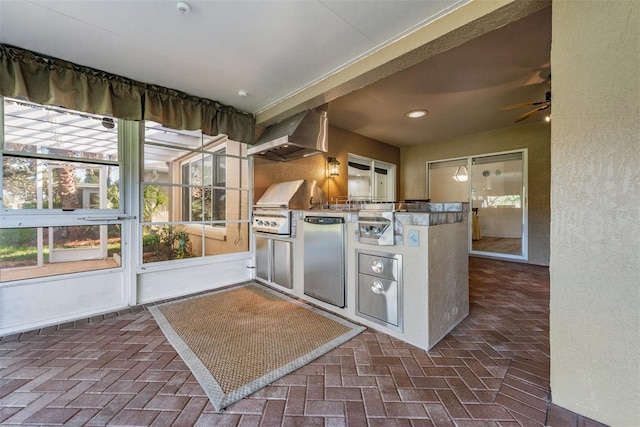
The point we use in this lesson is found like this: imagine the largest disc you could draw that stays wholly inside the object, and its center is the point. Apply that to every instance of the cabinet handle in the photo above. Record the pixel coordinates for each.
(106, 218)
(377, 266)
(377, 287)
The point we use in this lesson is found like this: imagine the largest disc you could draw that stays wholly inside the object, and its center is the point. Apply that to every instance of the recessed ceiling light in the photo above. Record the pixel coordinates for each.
(242, 93)
(416, 114)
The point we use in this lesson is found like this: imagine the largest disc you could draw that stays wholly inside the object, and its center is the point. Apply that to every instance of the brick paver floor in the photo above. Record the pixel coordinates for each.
(119, 370)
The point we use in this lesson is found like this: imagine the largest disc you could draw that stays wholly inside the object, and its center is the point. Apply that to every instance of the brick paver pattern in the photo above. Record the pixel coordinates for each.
(118, 369)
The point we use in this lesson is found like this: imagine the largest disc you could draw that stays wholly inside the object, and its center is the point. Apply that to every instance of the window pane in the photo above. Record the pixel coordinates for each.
(38, 252)
(52, 131)
(196, 173)
(199, 205)
(50, 184)
(208, 170)
(237, 202)
(157, 159)
(178, 139)
(19, 183)
(221, 170)
(155, 203)
(219, 206)
(184, 196)
(202, 176)
(237, 240)
(166, 242)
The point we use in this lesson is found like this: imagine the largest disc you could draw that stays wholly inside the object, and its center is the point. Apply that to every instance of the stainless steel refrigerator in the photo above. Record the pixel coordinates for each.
(324, 259)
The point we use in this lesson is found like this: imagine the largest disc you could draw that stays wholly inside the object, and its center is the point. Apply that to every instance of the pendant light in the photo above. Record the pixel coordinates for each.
(462, 174)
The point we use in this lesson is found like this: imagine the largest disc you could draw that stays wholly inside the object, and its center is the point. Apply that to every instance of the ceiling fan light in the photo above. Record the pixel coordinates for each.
(416, 114)
(548, 118)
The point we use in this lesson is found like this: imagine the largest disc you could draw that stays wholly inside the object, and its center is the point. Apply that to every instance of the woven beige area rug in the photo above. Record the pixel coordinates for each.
(240, 339)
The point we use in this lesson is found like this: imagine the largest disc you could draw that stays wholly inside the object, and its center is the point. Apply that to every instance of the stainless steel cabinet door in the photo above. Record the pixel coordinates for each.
(378, 298)
(263, 258)
(282, 264)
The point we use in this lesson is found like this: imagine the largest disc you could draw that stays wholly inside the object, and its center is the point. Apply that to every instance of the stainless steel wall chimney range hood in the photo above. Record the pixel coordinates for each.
(302, 135)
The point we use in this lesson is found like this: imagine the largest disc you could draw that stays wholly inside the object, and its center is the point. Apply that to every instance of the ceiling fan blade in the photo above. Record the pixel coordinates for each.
(522, 104)
(531, 113)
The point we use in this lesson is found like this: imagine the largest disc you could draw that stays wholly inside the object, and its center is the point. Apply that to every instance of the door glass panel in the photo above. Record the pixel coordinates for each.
(495, 186)
(498, 201)
(443, 187)
(27, 253)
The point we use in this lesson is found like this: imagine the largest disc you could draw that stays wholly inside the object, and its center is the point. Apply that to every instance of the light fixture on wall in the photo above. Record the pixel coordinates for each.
(334, 166)
(462, 174)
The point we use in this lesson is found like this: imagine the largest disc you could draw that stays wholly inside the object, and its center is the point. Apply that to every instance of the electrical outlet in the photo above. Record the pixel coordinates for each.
(414, 238)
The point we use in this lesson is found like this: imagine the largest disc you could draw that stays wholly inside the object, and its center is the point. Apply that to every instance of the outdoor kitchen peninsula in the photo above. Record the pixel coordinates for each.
(414, 285)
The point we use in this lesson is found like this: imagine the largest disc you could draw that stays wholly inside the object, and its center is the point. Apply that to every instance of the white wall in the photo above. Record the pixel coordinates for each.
(36, 303)
(192, 277)
(595, 209)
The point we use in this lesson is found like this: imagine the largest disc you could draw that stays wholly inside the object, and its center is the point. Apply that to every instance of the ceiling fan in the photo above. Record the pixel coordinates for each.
(539, 106)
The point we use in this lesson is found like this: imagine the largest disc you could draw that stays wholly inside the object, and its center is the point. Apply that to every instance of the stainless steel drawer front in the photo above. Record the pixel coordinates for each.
(378, 298)
(379, 266)
(379, 288)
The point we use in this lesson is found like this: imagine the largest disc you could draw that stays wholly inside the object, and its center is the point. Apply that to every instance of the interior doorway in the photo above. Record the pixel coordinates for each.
(371, 180)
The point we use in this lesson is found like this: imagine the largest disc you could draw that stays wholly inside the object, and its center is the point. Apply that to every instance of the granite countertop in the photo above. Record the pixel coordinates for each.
(430, 214)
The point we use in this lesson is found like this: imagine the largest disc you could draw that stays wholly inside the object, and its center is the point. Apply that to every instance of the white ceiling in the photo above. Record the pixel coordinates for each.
(275, 48)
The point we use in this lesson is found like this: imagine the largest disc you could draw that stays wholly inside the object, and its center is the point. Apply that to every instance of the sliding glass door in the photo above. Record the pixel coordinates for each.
(498, 198)
(495, 185)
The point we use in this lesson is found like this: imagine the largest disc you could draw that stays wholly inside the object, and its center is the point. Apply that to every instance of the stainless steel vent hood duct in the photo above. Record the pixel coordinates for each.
(302, 135)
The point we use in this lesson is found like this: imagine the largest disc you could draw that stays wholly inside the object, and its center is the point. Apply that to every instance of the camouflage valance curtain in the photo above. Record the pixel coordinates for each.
(50, 81)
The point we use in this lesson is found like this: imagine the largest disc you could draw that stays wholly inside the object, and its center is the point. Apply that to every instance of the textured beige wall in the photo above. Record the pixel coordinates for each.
(535, 137)
(595, 221)
(341, 144)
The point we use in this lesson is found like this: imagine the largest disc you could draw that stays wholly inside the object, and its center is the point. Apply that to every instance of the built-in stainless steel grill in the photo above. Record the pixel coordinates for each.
(272, 221)
(375, 224)
(272, 212)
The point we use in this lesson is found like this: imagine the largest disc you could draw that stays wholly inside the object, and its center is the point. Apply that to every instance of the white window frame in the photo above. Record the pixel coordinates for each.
(220, 151)
(373, 164)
